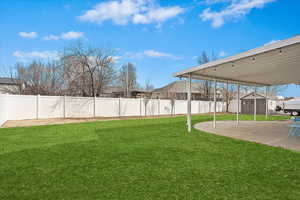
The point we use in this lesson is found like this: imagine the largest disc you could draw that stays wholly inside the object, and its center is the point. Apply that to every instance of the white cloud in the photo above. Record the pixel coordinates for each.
(236, 9)
(150, 53)
(29, 35)
(157, 15)
(122, 12)
(25, 56)
(65, 36)
(209, 2)
(71, 35)
(222, 54)
(271, 42)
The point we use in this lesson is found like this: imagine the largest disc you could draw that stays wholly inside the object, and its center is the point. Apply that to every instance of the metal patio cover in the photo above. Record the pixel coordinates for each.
(273, 64)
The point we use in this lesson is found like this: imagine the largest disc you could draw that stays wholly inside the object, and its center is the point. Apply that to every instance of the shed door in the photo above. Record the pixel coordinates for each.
(261, 106)
(247, 106)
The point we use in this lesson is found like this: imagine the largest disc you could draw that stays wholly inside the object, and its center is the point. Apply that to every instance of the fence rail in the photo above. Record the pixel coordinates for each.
(19, 107)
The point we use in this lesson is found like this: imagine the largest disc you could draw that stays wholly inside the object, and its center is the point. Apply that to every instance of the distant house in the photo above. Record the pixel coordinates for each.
(178, 90)
(117, 91)
(9, 85)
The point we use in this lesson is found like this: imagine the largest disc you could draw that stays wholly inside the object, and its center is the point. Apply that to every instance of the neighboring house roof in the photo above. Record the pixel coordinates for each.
(179, 87)
(112, 89)
(118, 89)
(8, 81)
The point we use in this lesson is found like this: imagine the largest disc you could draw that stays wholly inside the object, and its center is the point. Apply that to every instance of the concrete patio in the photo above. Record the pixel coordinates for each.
(273, 133)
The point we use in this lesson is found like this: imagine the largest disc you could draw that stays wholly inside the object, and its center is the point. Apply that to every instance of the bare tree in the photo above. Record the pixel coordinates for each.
(39, 78)
(205, 85)
(80, 71)
(128, 78)
(228, 92)
(88, 70)
(148, 86)
(274, 91)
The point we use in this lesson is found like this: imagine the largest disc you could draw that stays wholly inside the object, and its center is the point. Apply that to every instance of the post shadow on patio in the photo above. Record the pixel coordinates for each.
(269, 65)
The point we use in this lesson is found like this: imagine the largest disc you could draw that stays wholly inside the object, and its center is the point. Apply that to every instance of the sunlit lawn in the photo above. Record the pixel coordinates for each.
(142, 159)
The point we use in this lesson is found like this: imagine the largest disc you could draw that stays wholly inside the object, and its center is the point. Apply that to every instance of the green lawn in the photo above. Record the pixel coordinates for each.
(142, 159)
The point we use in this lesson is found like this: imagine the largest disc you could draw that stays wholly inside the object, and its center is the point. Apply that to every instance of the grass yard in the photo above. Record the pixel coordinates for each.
(142, 159)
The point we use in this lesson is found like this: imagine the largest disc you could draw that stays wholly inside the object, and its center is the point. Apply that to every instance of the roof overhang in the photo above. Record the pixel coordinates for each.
(273, 64)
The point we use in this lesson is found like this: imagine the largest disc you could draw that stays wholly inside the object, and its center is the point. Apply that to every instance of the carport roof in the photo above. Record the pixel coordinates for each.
(273, 64)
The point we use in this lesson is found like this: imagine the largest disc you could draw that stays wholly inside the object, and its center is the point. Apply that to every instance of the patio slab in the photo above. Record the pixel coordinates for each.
(273, 133)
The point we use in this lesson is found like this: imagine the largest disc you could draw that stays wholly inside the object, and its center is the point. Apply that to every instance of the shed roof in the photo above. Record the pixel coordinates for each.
(251, 96)
(273, 64)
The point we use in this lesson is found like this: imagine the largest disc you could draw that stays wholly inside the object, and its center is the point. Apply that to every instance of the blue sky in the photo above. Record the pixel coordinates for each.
(159, 37)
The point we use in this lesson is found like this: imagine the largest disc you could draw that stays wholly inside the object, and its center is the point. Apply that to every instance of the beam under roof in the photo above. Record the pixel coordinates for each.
(273, 64)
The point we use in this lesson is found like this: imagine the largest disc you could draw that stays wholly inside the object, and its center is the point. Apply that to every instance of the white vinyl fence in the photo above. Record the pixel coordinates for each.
(18, 107)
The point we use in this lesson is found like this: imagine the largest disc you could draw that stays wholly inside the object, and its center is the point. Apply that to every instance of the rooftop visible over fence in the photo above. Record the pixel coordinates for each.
(8, 81)
(179, 87)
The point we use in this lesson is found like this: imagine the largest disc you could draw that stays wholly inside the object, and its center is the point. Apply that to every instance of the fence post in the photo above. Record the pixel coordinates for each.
(94, 106)
(37, 106)
(140, 106)
(174, 107)
(158, 107)
(145, 105)
(153, 111)
(64, 106)
(119, 106)
(199, 110)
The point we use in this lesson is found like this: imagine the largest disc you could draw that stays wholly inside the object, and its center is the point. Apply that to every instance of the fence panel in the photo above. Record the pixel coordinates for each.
(130, 107)
(180, 107)
(165, 107)
(79, 107)
(152, 107)
(51, 107)
(233, 106)
(219, 106)
(3, 108)
(107, 107)
(204, 106)
(21, 107)
(196, 107)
